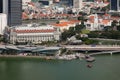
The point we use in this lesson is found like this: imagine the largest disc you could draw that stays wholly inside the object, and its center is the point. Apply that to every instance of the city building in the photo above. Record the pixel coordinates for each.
(96, 23)
(114, 5)
(46, 2)
(56, 1)
(25, 1)
(66, 2)
(65, 25)
(1, 6)
(3, 23)
(78, 4)
(13, 9)
(33, 33)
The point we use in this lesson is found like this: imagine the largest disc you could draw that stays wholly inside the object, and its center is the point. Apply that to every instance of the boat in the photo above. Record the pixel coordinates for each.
(89, 65)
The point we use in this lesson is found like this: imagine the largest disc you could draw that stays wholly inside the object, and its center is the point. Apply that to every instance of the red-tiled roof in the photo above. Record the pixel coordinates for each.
(31, 3)
(60, 25)
(115, 18)
(91, 19)
(24, 15)
(105, 21)
(65, 23)
(106, 15)
(75, 21)
(35, 31)
(42, 15)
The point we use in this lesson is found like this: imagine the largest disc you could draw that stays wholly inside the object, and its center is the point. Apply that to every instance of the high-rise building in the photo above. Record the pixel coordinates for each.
(114, 5)
(13, 9)
(1, 6)
(3, 23)
(14, 12)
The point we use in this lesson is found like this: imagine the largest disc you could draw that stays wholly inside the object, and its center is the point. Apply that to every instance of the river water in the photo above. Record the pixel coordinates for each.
(104, 68)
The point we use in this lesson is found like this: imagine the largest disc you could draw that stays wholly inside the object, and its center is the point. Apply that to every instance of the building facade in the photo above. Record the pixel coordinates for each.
(78, 4)
(67, 2)
(3, 23)
(13, 9)
(25, 1)
(1, 6)
(114, 5)
(95, 23)
(33, 34)
(14, 12)
(46, 2)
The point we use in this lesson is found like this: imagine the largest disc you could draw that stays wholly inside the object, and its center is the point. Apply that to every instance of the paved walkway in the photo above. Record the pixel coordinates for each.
(93, 47)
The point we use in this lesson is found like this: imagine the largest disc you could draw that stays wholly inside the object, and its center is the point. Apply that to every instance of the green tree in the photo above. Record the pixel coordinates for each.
(79, 28)
(118, 27)
(81, 18)
(1, 39)
(68, 33)
(114, 25)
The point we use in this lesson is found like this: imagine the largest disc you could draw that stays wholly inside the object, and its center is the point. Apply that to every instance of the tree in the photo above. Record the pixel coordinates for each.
(94, 34)
(79, 28)
(118, 27)
(81, 18)
(1, 38)
(82, 13)
(68, 33)
(114, 25)
(107, 28)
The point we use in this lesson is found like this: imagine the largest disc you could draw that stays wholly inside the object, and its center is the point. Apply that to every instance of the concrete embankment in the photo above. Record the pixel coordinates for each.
(27, 57)
(62, 57)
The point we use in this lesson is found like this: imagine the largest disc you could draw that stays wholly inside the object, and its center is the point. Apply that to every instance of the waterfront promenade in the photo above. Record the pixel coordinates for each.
(100, 49)
(93, 47)
(28, 57)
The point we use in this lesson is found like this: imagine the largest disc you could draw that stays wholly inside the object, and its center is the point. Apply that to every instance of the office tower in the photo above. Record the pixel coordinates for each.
(1, 6)
(77, 4)
(14, 12)
(114, 5)
(13, 9)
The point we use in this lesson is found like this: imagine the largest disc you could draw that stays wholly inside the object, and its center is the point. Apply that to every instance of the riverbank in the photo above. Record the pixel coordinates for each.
(62, 57)
(27, 57)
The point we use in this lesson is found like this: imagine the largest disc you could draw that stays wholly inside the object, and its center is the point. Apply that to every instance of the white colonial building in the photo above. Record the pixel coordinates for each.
(33, 33)
(95, 22)
(3, 23)
(66, 24)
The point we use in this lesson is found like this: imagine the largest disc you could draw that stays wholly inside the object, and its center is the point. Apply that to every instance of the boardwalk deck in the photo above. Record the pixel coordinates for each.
(89, 47)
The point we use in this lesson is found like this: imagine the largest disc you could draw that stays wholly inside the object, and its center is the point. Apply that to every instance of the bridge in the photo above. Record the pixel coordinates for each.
(93, 47)
(102, 49)
(105, 52)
